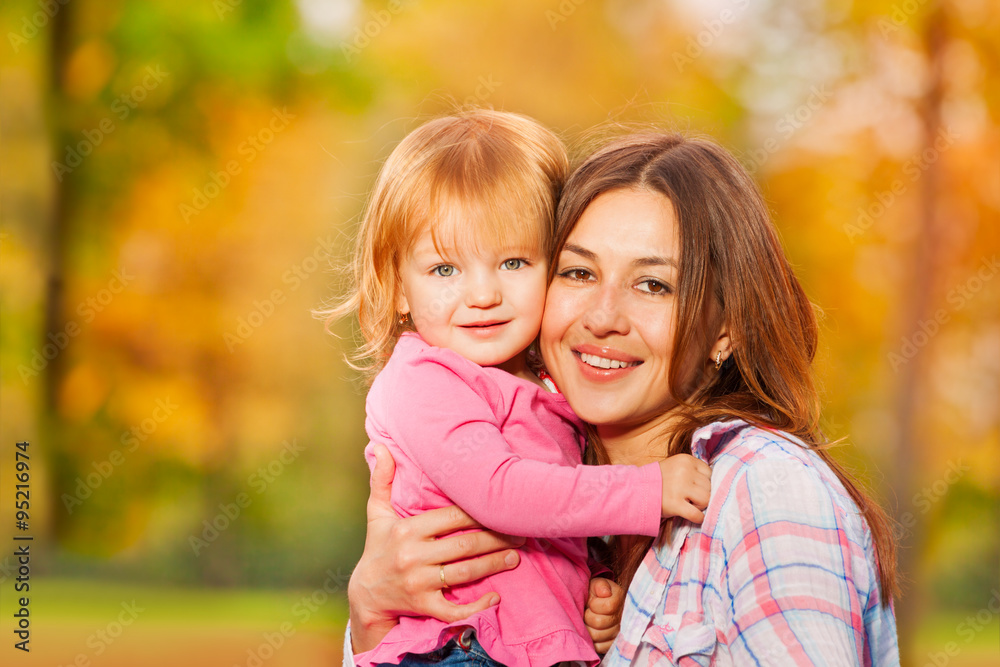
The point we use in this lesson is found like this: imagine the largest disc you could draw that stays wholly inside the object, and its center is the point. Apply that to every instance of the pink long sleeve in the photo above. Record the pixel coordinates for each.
(447, 423)
(508, 452)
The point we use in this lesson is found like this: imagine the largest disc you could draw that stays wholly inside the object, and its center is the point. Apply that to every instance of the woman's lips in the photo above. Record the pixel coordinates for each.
(604, 364)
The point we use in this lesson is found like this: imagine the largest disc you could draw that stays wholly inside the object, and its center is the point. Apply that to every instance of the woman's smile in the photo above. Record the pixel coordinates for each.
(609, 317)
(605, 363)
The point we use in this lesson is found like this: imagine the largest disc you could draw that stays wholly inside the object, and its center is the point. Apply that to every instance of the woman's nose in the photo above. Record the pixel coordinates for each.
(604, 315)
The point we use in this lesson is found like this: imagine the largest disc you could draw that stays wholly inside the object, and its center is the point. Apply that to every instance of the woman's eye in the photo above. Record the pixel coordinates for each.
(513, 264)
(654, 286)
(445, 270)
(576, 274)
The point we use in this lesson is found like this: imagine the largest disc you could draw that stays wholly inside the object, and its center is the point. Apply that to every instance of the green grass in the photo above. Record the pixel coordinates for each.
(84, 623)
(71, 599)
(174, 620)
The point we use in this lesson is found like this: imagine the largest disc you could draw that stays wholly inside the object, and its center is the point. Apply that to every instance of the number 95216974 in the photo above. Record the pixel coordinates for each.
(22, 495)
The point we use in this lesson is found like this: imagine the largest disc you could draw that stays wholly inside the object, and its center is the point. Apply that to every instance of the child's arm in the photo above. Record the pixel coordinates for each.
(452, 434)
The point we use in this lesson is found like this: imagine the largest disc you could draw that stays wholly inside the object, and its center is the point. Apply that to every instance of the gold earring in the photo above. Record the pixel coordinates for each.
(718, 360)
(404, 318)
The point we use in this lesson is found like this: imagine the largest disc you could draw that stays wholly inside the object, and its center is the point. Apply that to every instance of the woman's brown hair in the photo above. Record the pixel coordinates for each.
(730, 255)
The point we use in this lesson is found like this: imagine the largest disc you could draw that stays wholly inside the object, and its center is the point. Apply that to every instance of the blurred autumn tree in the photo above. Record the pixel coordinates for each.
(216, 155)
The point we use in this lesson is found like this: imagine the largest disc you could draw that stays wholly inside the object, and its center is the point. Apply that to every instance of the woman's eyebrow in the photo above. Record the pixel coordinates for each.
(656, 261)
(582, 252)
(653, 260)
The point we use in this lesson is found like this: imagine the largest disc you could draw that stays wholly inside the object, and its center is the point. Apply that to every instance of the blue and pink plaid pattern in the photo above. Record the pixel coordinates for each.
(781, 572)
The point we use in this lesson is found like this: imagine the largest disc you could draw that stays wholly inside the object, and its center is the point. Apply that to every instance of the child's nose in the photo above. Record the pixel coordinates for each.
(483, 292)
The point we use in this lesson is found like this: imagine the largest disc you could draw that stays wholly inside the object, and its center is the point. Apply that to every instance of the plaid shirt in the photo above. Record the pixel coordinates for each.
(781, 572)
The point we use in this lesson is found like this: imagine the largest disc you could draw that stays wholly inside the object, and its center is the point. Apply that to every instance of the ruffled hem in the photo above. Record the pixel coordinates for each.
(543, 651)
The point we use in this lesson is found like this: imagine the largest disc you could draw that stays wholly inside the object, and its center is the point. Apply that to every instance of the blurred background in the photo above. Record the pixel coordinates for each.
(179, 180)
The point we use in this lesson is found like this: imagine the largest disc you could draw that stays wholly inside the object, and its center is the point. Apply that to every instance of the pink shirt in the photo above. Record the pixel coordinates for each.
(509, 453)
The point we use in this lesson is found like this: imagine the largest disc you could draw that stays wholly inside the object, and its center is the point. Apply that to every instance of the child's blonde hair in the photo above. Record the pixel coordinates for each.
(475, 177)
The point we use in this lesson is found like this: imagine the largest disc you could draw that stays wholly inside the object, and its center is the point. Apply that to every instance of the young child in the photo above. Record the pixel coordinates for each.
(451, 273)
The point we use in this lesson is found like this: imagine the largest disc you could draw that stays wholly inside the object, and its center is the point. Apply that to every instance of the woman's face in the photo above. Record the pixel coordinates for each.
(608, 327)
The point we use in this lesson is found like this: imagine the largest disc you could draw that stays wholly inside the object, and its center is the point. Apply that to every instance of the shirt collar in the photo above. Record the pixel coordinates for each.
(708, 440)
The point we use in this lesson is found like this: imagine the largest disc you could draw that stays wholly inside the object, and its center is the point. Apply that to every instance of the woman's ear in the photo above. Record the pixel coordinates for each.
(723, 346)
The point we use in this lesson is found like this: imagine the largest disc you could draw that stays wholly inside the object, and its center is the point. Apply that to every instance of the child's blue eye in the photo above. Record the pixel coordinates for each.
(445, 270)
(513, 264)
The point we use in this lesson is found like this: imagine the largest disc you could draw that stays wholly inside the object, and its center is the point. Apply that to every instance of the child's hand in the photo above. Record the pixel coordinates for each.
(603, 615)
(687, 482)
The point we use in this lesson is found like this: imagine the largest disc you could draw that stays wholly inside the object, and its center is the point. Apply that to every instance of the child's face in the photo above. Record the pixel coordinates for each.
(484, 304)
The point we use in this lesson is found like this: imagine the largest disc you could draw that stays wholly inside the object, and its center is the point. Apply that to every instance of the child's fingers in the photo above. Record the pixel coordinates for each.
(599, 620)
(698, 496)
(604, 647)
(688, 511)
(604, 606)
(599, 588)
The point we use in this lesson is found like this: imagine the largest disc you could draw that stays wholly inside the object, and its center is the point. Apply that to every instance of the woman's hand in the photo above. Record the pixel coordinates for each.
(603, 615)
(399, 573)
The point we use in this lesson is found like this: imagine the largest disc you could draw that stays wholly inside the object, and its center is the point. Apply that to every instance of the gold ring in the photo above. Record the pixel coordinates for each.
(441, 572)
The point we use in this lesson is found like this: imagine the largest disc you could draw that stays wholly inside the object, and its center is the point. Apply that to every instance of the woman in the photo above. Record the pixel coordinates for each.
(667, 261)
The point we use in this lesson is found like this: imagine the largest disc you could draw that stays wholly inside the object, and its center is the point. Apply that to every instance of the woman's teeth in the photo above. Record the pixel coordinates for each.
(601, 362)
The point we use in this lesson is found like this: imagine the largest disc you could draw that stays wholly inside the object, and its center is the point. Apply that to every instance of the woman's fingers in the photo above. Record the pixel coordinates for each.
(449, 612)
(442, 521)
(468, 545)
(379, 503)
(475, 569)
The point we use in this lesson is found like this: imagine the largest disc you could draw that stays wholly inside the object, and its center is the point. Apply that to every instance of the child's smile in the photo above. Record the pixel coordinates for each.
(485, 304)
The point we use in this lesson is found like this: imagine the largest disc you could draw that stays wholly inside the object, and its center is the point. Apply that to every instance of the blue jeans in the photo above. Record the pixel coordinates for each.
(463, 651)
